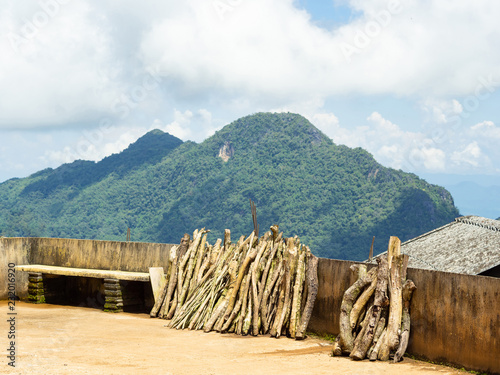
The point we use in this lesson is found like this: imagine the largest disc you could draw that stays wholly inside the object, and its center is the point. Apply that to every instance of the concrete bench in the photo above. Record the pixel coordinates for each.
(112, 288)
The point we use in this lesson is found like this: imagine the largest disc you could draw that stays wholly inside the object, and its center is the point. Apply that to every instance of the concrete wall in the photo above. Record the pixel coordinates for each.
(108, 255)
(454, 318)
(16, 251)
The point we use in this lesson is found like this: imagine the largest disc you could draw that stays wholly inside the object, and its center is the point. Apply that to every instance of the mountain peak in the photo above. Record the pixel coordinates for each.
(267, 130)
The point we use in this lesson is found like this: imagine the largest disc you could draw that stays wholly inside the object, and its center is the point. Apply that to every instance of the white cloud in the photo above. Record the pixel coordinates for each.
(414, 52)
(83, 58)
(58, 66)
(488, 130)
(470, 156)
(440, 111)
(433, 159)
(132, 63)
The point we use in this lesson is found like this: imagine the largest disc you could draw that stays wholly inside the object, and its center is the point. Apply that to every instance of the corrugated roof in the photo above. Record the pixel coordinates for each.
(469, 245)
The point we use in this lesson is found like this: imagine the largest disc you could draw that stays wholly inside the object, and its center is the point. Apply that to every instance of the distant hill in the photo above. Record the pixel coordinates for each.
(333, 197)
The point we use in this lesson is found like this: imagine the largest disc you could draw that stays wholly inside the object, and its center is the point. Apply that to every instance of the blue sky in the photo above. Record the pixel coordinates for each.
(416, 83)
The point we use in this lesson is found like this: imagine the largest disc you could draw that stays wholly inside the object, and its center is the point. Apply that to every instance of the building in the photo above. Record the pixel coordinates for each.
(469, 245)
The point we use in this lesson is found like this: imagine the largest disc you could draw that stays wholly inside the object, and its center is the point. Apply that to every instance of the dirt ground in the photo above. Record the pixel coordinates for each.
(53, 339)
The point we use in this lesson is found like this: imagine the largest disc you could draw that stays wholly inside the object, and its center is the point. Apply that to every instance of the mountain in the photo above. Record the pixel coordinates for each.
(333, 197)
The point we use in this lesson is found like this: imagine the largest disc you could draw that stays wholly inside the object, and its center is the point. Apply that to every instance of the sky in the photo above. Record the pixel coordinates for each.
(414, 82)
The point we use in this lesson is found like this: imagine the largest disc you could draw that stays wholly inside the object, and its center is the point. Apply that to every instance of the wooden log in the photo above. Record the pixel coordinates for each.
(379, 302)
(396, 303)
(266, 271)
(297, 294)
(227, 239)
(378, 331)
(219, 309)
(205, 265)
(232, 316)
(195, 320)
(163, 292)
(173, 306)
(376, 348)
(384, 351)
(172, 281)
(241, 274)
(408, 289)
(233, 266)
(200, 257)
(337, 350)
(350, 296)
(244, 304)
(215, 252)
(361, 302)
(283, 302)
(273, 301)
(255, 292)
(364, 327)
(359, 270)
(293, 257)
(264, 303)
(393, 250)
(312, 292)
(247, 322)
(193, 251)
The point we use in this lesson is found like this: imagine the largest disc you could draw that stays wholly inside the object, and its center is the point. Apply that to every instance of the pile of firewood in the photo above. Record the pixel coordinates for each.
(375, 310)
(264, 285)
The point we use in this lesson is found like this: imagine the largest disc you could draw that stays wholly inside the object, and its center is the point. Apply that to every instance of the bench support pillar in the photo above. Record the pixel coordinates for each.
(113, 301)
(36, 290)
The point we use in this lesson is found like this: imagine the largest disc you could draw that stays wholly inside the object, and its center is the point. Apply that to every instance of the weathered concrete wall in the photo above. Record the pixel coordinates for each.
(334, 277)
(15, 251)
(108, 255)
(454, 318)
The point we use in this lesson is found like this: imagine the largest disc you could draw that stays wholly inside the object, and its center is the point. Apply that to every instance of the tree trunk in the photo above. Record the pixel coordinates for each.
(244, 303)
(255, 292)
(376, 348)
(283, 302)
(350, 296)
(297, 294)
(379, 302)
(264, 303)
(241, 274)
(312, 291)
(408, 289)
(361, 302)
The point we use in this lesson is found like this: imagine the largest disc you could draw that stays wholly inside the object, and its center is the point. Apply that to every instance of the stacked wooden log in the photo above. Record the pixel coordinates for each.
(375, 310)
(264, 285)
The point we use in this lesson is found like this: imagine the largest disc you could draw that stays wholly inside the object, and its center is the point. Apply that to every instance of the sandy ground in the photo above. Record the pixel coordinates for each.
(55, 340)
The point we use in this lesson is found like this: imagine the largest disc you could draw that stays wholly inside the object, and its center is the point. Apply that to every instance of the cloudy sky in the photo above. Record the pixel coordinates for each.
(415, 82)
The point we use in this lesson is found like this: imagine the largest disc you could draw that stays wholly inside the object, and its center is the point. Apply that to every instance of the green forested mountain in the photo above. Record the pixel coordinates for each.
(334, 197)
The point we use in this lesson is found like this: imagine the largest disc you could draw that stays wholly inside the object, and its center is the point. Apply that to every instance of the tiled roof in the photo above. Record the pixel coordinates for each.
(469, 245)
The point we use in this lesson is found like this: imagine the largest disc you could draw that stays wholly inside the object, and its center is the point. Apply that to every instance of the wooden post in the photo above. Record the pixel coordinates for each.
(312, 291)
(370, 256)
(408, 289)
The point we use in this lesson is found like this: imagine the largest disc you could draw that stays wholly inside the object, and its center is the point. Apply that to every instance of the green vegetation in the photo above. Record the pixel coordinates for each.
(333, 197)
